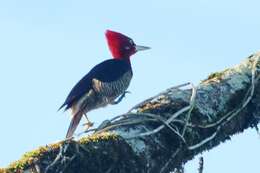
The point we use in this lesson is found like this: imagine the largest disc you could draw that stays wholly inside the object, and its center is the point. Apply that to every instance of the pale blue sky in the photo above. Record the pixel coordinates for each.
(47, 46)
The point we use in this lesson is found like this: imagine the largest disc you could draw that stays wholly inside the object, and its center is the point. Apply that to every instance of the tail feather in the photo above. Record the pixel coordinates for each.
(74, 123)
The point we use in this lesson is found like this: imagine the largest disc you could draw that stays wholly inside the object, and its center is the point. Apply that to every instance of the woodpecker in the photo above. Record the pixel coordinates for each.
(105, 82)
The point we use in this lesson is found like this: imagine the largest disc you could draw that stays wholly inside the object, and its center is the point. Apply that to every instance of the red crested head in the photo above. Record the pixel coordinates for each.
(121, 46)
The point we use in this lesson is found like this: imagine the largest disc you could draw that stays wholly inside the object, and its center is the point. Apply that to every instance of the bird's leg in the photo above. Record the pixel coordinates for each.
(88, 124)
(120, 98)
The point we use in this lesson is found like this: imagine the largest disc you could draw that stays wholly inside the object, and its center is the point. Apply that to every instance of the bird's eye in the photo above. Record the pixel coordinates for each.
(127, 47)
(131, 41)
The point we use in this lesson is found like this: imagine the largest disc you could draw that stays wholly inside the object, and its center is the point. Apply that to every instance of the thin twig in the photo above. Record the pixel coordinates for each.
(205, 140)
(192, 104)
(66, 165)
(162, 126)
(166, 124)
(123, 124)
(248, 98)
(169, 161)
(234, 112)
(201, 165)
(63, 149)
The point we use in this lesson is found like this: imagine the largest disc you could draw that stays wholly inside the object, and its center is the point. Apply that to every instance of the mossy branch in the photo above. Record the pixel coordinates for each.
(163, 132)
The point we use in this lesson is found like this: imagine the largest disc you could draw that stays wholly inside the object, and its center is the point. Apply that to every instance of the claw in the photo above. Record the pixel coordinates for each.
(88, 125)
(120, 98)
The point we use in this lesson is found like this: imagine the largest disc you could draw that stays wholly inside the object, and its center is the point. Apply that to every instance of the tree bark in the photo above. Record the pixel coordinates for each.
(163, 132)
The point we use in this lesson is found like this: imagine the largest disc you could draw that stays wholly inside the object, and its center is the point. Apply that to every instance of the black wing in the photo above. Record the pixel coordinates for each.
(107, 71)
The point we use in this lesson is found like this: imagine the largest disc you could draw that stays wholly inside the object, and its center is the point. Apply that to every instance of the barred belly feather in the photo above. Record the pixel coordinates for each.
(111, 90)
(103, 93)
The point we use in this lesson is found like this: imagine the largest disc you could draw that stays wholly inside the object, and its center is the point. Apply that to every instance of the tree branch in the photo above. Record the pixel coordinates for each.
(163, 132)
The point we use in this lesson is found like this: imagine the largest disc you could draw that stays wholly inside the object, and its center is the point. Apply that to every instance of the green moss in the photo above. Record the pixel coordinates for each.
(30, 157)
(98, 137)
(216, 75)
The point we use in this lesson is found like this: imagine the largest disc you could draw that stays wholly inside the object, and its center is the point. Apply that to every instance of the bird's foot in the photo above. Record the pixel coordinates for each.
(120, 98)
(88, 125)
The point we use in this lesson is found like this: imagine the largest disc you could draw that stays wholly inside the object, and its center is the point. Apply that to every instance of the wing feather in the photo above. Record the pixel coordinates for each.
(107, 71)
